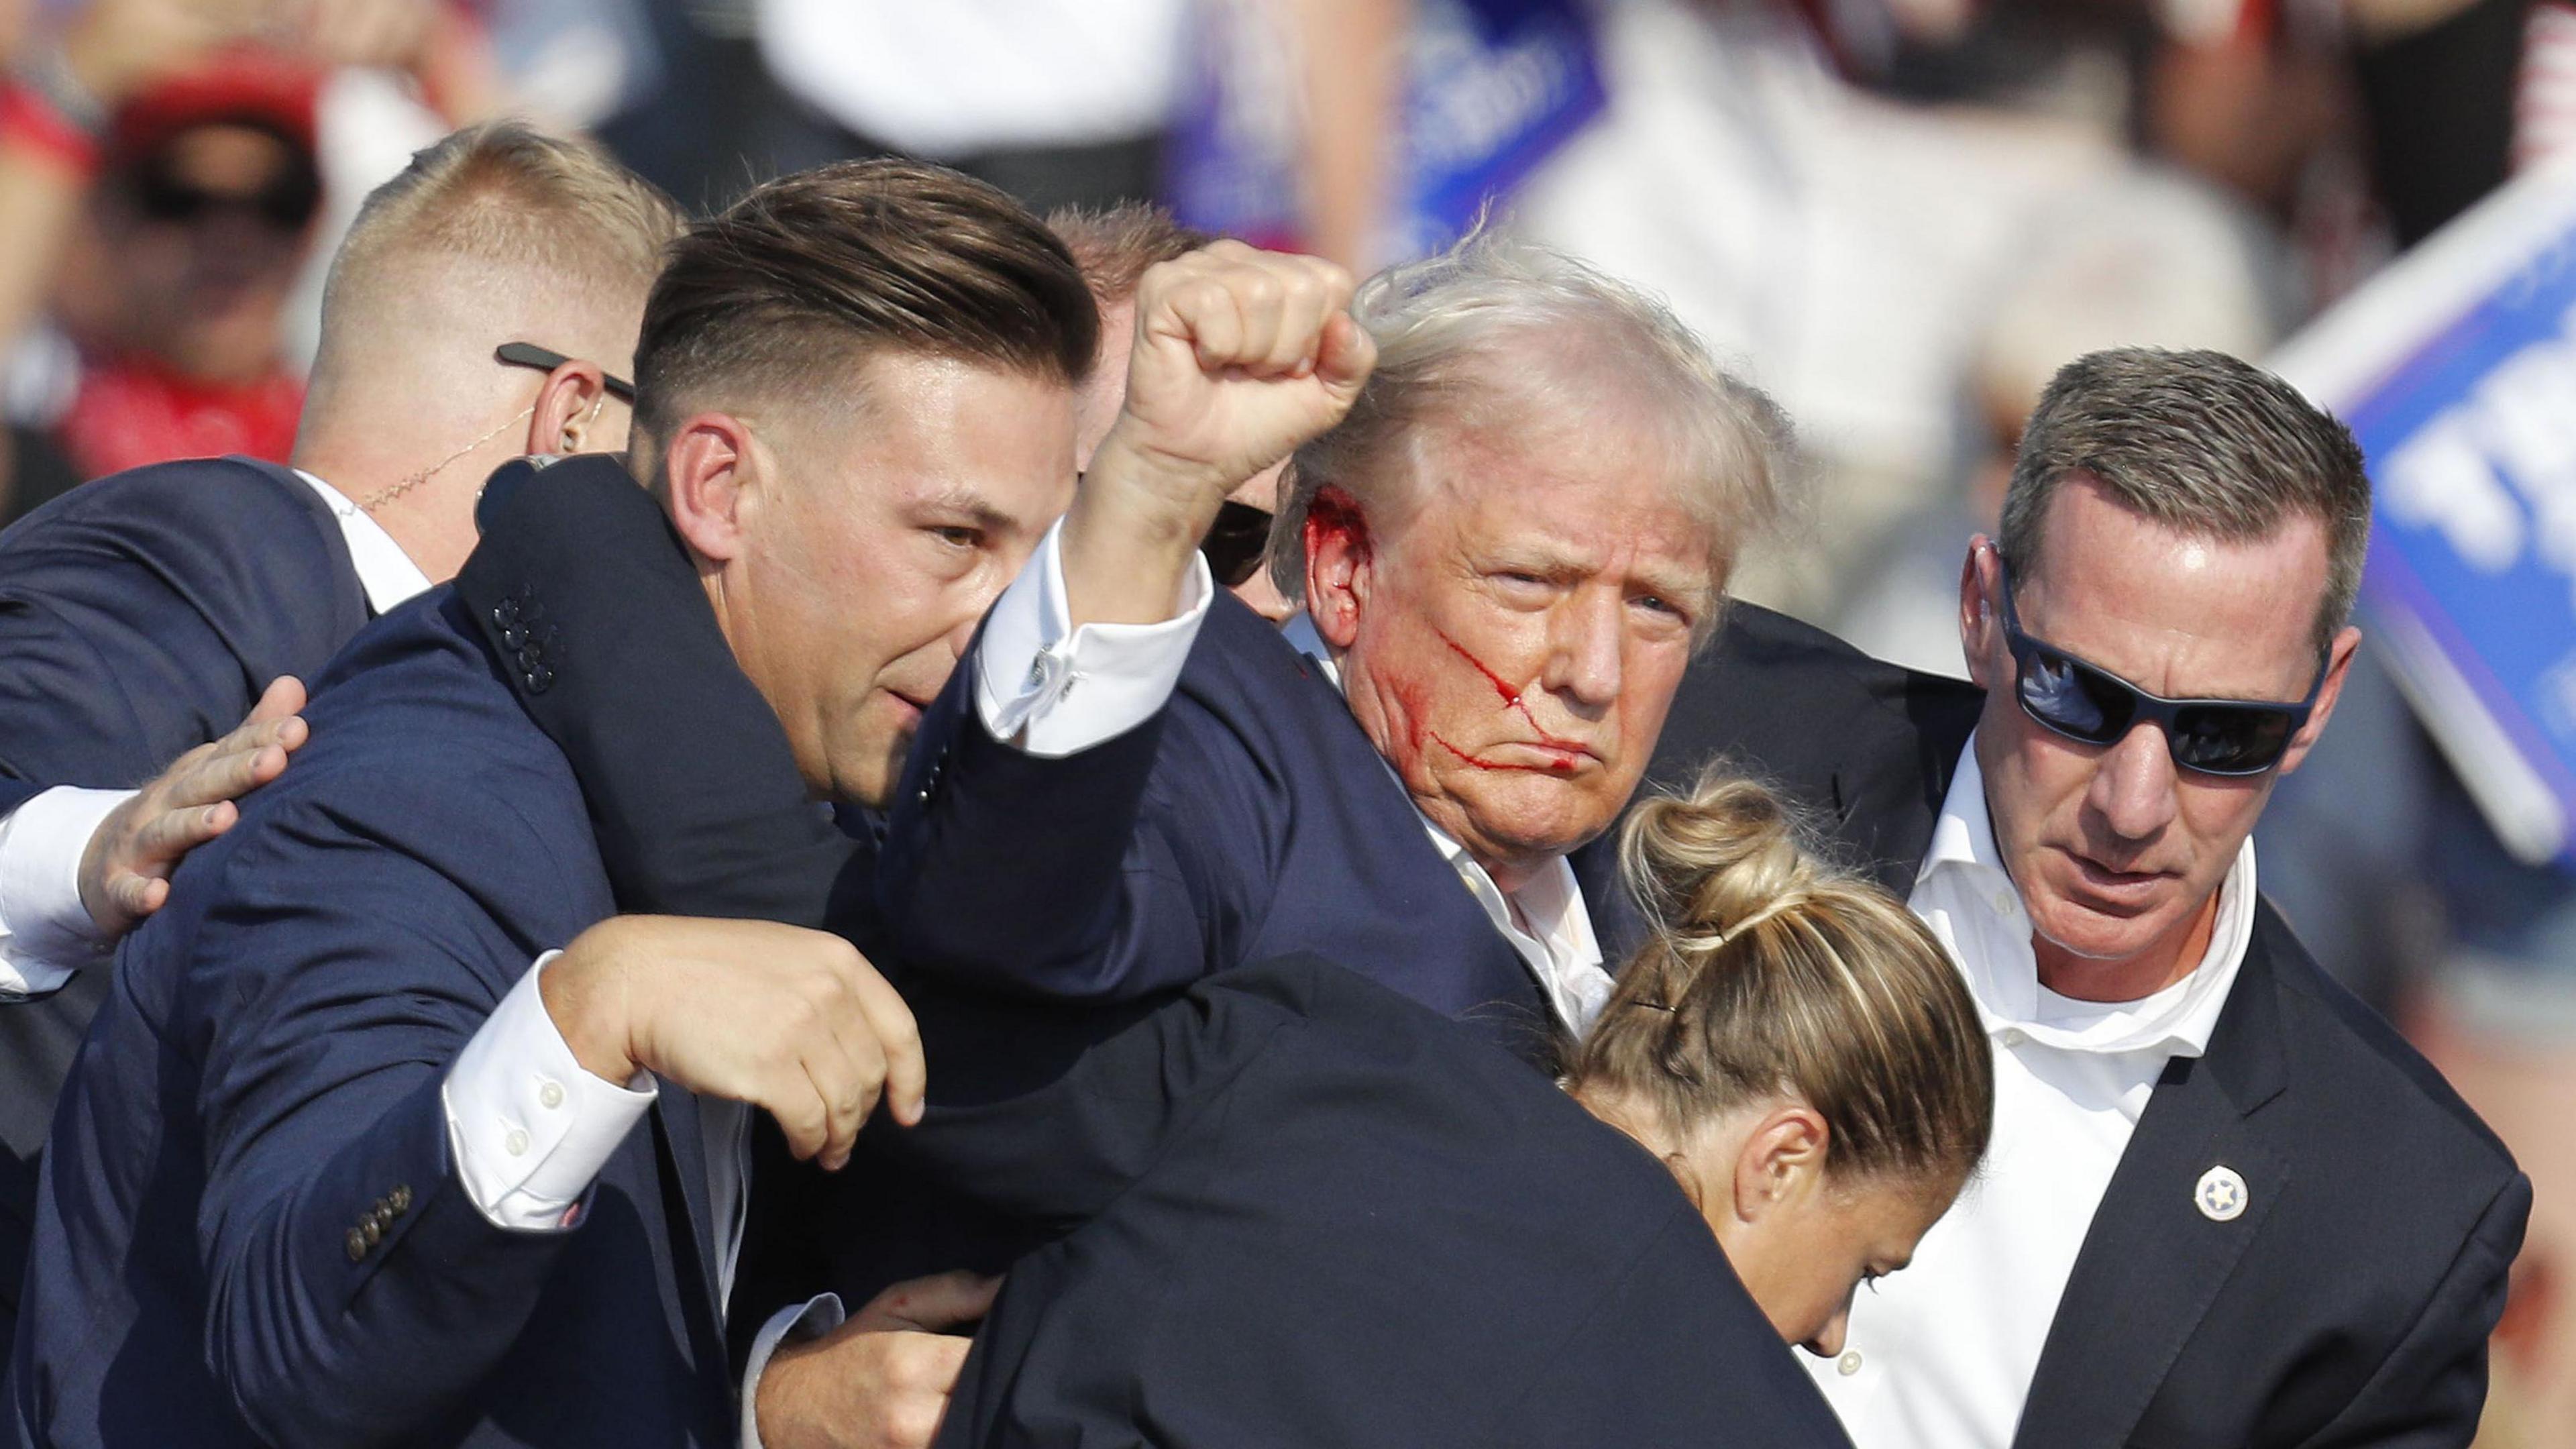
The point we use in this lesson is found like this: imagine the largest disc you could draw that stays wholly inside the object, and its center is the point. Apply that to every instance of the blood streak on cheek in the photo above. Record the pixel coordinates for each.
(1408, 695)
(1512, 699)
(1502, 686)
(1552, 767)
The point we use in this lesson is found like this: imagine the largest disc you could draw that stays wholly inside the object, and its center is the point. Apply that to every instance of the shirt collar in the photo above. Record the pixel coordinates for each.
(1963, 875)
(385, 572)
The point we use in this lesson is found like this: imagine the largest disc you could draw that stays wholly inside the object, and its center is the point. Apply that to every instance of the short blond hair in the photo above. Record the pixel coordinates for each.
(505, 195)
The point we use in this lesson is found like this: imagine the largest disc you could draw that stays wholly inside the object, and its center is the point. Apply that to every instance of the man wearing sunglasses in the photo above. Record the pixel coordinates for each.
(2225, 1207)
(145, 614)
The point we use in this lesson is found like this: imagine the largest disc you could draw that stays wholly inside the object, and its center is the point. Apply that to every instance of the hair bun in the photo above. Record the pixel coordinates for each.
(1705, 862)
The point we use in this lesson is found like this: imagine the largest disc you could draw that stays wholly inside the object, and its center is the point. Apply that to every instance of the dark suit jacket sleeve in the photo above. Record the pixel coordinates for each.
(70, 643)
(2429, 1391)
(591, 603)
(132, 622)
(1059, 1143)
(344, 970)
(1120, 872)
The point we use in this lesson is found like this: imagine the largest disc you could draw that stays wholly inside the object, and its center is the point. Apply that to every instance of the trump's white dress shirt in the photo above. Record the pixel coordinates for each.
(1941, 1355)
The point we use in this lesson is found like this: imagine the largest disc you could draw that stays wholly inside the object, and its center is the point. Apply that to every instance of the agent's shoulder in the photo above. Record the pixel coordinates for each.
(1333, 1023)
(201, 522)
(1761, 659)
(2367, 1088)
(232, 494)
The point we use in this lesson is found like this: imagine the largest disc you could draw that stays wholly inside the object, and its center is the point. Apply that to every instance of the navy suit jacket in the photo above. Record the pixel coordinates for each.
(1300, 1210)
(250, 1230)
(1249, 818)
(141, 615)
(2350, 1304)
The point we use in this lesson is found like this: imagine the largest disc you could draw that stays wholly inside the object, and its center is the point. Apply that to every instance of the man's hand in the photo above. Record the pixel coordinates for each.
(125, 869)
(792, 1021)
(1240, 356)
(879, 1381)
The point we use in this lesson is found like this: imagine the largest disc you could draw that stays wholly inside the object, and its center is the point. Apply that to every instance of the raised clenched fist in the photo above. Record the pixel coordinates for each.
(1240, 356)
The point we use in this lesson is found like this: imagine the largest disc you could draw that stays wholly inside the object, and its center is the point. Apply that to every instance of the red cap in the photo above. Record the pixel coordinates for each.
(247, 84)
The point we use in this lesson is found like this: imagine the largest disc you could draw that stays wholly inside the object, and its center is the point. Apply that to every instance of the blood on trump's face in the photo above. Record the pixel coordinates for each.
(1511, 634)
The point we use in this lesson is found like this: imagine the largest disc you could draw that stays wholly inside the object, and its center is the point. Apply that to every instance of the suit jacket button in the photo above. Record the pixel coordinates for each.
(374, 1234)
(356, 1243)
(506, 612)
(513, 637)
(399, 1200)
(539, 679)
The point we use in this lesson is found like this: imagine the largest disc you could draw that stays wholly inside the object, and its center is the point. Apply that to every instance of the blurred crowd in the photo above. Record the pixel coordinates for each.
(1899, 217)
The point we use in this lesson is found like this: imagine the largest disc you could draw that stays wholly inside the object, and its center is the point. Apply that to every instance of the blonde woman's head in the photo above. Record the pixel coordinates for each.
(1795, 1044)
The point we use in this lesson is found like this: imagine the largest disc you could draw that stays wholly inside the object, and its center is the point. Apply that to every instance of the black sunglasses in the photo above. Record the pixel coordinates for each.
(286, 204)
(1236, 542)
(2091, 705)
(528, 354)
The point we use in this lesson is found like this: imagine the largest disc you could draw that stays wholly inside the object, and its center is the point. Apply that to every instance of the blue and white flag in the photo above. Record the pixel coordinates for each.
(2456, 369)
(1491, 88)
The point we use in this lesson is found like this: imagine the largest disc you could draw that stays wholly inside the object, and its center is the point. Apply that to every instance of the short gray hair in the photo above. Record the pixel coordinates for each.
(1455, 331)
(2203, 444)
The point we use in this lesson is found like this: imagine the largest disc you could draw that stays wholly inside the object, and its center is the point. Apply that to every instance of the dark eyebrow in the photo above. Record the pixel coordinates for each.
(964, 502)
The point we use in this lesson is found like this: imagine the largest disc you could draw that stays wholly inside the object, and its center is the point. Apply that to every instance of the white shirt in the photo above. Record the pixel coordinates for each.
(46, 934)
(1940, 1356)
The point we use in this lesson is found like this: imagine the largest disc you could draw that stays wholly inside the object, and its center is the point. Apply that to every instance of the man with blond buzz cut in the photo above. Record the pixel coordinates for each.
(143, 616)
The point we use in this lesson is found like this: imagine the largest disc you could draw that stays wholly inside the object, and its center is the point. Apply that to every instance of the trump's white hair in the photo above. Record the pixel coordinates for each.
(1500, 336)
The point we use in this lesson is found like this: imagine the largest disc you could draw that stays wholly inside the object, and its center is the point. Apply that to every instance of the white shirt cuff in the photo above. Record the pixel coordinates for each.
(46, 934)
(1053, 695)
(813, 1318)
(529, 1126)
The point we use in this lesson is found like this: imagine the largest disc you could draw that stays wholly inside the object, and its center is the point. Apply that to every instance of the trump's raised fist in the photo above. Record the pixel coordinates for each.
(1240, 356)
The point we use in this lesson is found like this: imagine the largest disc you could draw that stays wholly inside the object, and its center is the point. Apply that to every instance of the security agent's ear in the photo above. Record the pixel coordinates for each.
(1340, 565)
(1981, 625)
(575, 414)
(2338, 666)
(1782, 1162)
(713, 470)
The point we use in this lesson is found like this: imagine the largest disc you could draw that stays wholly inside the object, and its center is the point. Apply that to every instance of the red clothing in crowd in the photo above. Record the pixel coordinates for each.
(131, 411)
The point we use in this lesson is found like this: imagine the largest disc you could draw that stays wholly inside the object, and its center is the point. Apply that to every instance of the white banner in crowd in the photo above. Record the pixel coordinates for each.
(2456, 369)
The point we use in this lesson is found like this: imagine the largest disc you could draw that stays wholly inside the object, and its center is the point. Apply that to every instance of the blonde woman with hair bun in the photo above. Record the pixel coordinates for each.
(1295, 1208)
(1795, 1045)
